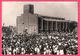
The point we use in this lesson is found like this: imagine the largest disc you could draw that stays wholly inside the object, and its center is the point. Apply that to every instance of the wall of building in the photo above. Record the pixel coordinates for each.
(27, 21)
(31, 23)
(20, 25)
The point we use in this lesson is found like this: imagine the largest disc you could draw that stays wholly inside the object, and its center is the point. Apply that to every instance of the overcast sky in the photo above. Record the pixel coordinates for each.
(67, 10)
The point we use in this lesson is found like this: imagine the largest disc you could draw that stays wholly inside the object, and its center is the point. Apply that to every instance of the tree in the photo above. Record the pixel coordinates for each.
(7, 31)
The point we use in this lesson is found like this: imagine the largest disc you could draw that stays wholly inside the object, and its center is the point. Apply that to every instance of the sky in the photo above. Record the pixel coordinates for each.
(67, 10)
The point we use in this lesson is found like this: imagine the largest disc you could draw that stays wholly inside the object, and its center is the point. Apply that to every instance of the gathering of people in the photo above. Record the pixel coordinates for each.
(57, 43)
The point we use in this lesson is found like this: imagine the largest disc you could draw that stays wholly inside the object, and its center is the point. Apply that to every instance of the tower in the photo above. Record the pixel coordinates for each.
(27, 21)
(29, 9)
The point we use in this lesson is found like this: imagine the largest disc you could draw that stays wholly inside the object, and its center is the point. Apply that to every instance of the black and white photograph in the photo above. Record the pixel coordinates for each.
(39, 28)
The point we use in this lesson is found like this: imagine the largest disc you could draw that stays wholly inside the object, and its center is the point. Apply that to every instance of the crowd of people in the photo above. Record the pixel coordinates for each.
(57, 43)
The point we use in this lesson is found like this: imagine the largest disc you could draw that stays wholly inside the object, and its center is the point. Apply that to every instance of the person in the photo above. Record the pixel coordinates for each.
(55, 49)
(22, 50)
(9, 50)
(17, 50)
(4, 51)
(14, 51)
(37, 50)
(44, 50)
(61, 52)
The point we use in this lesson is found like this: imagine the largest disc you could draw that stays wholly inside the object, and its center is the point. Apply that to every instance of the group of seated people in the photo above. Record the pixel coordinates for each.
(51, 44)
